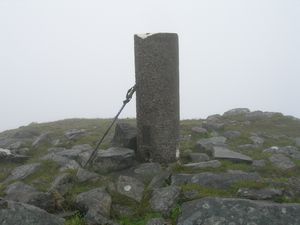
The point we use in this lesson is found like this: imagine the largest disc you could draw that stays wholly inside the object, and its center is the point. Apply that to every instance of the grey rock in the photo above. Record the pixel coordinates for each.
(231, 134)
(125, 136)
(96, 205)
(75, 134)
(85, 175)
(259, 194)
(63, 162)
(259, 115)
(113, 159)
(257, 140)
(206, 145)
(213, 125)
(16, 145)
(147, 171)
(122, 210)
(156, 221)
(290, 151)
(247, 146)
(26, 133)
(236, 112)
(164, 199)
(75, 151)
(62, 183)
(24, 171)
(16, 213)
(7, 156)
(42, 140)
(20, 192)
(198, 157)
(282, 162)
(130, 187)
(211, 180)
(297, 141)
(160, 180)
(212, 211)
(226, 154)
(201, 165)
(199, 130)
(21, 151)
(259, 163)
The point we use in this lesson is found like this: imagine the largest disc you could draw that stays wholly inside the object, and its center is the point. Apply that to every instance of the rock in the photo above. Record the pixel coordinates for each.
(96, 205)
(282, 162)
(113, 159)
(257, 140)
(85, 175)
(7, 156)
(130, 187)
(247, 146)
(147, 171)
(259, 194)
(75, 151)
(236, 112)
(259, 163)
(231, 134)
(259, 115)
(212, 180)
(159, 180)
(297, 141)
(206, 145)
(22, 172)
(164, 199)
(16, 213)
(63, 162)
(125, 136)
(213, 125)
(20, 192)
(226, 154)
(62, 183)
(42, 140)
(16, 145)
(26, 133)
(122, 210)
(156, 221)
(21, 151)
(201, 165)
(199, 130)
(290, 151)
(212, 211)
(198, 157)
(75, 134)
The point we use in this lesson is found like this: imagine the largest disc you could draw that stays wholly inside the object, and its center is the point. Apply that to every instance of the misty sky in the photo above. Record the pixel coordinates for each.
(74, 58)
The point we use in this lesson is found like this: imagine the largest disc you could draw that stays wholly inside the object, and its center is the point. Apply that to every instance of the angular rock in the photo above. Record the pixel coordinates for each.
(231, 134)
(16, 145)
(156, 221)
(212, 211)
(282, 162)
(259, 163)
(7, 156)
(62, 183)
(213, 125)
(20, 192)
(113, 159)
(164, 199)
(206, 145)
(147, 171)
(24, 171)
(290, 151)
(16, 213)
(125, 136)
(131, 187)
(85, 175)
(160, 180)
(259, 194)
(212, 180)
(236, 112)
(226, 154)
(199, 130)
(75, 134)
(63, 162)
(257, 140)
(75, 151)
(41, 140)
(122, 210)
(198, 157)
(96, 205)
(200, 165)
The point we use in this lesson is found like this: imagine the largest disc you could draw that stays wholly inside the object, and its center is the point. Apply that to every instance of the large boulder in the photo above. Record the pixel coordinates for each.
(84, 175)
(236, 112)
(75, 134)
(282, 162)
(146, 171)
(7, 156)
(125, 136)
(95, 204)
(206, 145)
(225, 211)
(164, 199)
(62, 183)
(290, 151)
(16, 213)
(22, 172)
(64, 162)
(113, 159)
(231, 134)
(212, 180)
(226, 154)
(130, 187)
(43, 139)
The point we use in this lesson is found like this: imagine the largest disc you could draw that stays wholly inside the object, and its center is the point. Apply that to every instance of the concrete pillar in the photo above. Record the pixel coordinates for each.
(157, 96)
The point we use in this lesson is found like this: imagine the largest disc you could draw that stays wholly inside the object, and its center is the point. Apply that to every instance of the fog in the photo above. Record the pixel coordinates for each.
(74, 59)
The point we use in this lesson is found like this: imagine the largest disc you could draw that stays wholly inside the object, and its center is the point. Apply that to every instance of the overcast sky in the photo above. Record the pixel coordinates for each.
(74, 58)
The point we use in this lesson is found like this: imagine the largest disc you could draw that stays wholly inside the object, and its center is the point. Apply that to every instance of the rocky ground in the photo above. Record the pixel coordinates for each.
(238, 168)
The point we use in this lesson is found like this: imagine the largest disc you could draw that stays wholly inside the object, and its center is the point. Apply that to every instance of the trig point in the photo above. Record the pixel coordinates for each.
(157, 96)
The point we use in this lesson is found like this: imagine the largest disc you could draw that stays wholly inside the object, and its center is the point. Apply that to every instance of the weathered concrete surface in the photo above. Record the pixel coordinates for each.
(157, 96)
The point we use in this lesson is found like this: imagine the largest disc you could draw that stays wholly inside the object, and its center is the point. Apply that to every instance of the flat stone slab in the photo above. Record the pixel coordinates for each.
(16, 213)
(214, 180)
(22, 172)
(225, 211)
(225, 153)
(131, 187)
(259, 194)
(206, 145)
(202, 165)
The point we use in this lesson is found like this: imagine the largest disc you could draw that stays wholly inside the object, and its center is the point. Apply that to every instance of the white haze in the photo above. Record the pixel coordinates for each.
(74, 58)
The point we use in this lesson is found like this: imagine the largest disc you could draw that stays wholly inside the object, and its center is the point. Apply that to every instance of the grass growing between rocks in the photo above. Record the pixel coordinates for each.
(76, 220)
(134, 220)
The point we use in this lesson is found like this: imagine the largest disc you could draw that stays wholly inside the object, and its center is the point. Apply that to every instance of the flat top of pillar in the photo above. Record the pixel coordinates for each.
(146, 35)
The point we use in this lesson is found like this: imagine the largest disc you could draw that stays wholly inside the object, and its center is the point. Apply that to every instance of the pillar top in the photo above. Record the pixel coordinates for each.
(146, 35)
